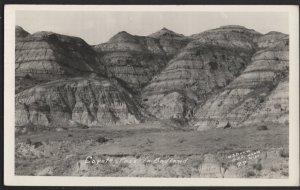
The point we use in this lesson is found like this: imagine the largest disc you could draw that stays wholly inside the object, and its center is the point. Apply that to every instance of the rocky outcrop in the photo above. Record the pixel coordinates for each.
(89, 101)
(136, 59)
(132, 59)
(253, 92)
(275, 109)
(208, 63)
(170, 41)
(229, 31)
(20, 32)
(51, 56)
(224, 77)
(269, 39)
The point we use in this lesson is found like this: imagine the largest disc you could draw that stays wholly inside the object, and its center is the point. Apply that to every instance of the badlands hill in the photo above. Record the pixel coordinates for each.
(135, 60)
(226, 76)
(258, 95)
(45, 56)
(208, 63)
(86, 101)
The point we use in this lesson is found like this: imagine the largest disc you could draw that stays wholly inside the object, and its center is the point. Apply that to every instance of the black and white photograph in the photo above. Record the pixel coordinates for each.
(169, 92)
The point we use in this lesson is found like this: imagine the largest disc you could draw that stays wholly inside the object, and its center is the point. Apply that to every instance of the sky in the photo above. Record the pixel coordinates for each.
(97, 27)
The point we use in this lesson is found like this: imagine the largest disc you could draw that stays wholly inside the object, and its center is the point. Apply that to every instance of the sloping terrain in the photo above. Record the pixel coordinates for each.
(208, 63)
(20, 32)
(136, 59)
(139, 104)
(87, 101)
(215, 78)
(170, 41)
(270, 39)
(49, 55)
(262, 84)
(275, 109)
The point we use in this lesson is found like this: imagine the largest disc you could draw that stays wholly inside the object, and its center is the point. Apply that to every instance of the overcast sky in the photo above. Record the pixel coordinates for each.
(97, 27)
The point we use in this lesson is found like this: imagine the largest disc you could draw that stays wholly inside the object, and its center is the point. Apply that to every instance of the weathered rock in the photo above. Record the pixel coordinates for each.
(170, 41)
(235, 29)
(244, 95)
(275, 109)
(136, 59)
(270, 39)
(88, 101)
(20, 32)
(206, 76)
(205, 65)
(132, 59)
(51, 56)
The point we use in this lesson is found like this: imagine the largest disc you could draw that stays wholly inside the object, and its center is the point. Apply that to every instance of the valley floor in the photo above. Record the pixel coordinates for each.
(152, 150)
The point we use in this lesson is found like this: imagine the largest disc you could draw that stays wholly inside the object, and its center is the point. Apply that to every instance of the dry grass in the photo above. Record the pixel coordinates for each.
(172, 141)
(63, 149)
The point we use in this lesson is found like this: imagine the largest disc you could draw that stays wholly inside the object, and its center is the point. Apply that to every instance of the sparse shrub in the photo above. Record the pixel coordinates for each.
(277, 106)
(28, 141)
(27, 76)
(136, 155)
(257, 166)
(101, 139)
(178, 122)
(285, 173)
(37, 144)
(70, 135)
(149, 141)
(261, 99)
(262, 128)
(218, 139)
(123, 165)
(274, 169)
(226, 148)
(170, 164)
(85, 127)
(250, 173)
(284, 153)
(181, 140)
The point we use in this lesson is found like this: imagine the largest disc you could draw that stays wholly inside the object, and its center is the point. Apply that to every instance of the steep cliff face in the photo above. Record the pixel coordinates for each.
(50, 55)
(89, 101)
(208, 63)
(136, 59)
(260, 83)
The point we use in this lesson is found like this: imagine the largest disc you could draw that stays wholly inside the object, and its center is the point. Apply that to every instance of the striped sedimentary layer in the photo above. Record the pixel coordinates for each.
(270, 39)
(89, 101)
(275, 109)
(245, 95)
(136, 59)
(49, 55)
(170, 41)
(208, 63)
(20, 32)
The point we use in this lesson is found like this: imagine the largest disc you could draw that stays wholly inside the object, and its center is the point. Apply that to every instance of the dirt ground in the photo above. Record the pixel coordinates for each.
(155, 150)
